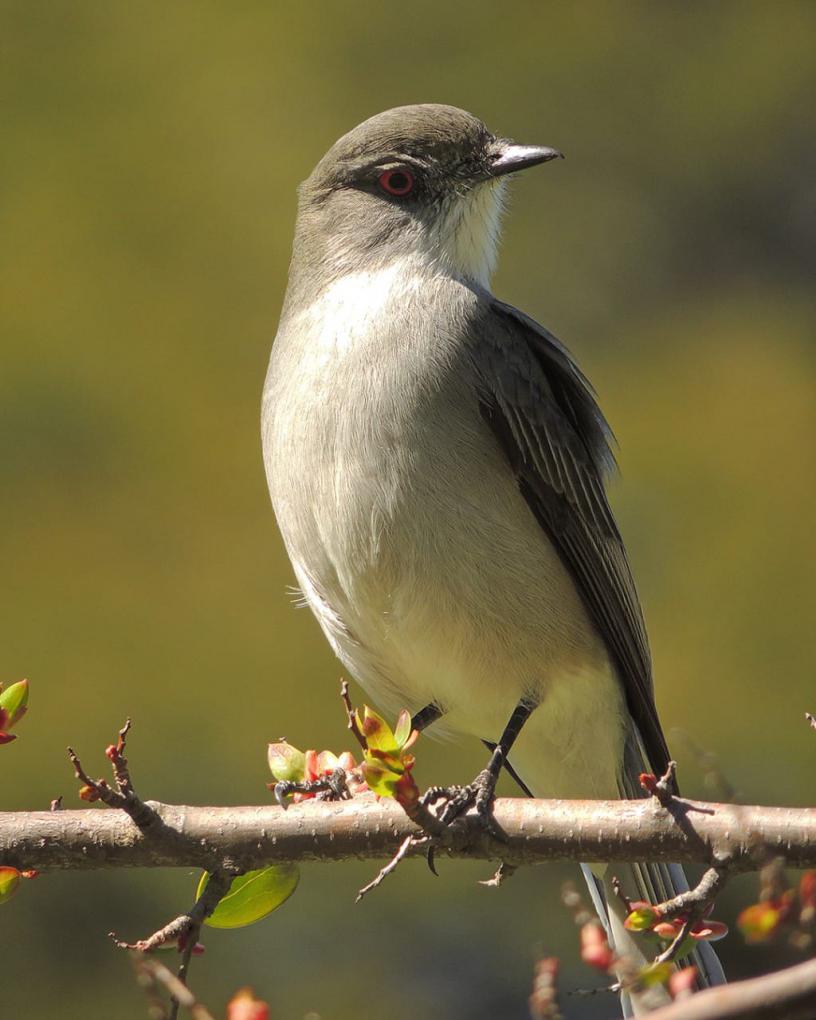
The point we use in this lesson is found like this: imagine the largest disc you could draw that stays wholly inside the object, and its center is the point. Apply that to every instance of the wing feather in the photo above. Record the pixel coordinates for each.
(544, 414)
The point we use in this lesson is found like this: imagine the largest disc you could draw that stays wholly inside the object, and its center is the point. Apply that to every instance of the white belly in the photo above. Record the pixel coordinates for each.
(425, 567)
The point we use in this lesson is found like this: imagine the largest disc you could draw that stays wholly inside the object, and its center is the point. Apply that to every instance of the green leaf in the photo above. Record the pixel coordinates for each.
(14, 702)
(252, 896)
(9, 883)
(382, 780)
(402, 731)
(377, 732)
(655, 974)
(759, 921)
(641, 919)
(286, 763)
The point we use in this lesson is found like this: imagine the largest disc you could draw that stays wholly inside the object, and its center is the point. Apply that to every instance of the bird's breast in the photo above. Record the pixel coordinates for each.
(401, 516)
(352, 408)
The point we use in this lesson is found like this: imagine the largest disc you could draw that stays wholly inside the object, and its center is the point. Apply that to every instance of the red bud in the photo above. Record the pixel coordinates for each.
(807, 889)
(595, 948)
(244, 1006)
(681, 983)
(9, 882)
(648, 781)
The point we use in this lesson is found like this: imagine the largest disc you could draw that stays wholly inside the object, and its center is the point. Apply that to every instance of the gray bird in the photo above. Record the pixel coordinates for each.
(437, 465)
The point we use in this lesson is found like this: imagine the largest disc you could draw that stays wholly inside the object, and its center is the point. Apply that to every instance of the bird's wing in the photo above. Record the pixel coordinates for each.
(544, 414)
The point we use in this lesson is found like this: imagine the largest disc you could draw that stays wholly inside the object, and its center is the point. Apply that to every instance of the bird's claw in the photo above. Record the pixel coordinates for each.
(333, 786)
(458, 799)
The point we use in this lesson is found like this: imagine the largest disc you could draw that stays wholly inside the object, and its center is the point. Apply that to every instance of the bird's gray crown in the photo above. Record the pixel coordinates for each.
(431, 135)
(422, 182)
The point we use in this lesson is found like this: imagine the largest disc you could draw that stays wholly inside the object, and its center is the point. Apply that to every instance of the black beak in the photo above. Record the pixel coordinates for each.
(510, 157)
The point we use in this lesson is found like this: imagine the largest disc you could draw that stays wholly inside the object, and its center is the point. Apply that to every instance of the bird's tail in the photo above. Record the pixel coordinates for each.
(653, 883)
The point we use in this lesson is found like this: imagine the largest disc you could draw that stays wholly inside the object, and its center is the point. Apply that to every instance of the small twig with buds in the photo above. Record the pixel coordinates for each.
(662, 788)
(121, 795)
(179, 928)
(185, 928)
(695, 901)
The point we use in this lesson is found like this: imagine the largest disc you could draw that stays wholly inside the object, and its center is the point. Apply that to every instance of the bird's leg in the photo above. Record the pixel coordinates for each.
(429, 714)
(481, 791)
(508, 768)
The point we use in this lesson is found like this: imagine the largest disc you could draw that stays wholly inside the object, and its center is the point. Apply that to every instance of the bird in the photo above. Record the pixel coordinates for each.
(437, 463)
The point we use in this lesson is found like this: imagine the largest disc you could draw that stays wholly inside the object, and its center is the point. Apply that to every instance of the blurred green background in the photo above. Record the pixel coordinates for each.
(149, 156)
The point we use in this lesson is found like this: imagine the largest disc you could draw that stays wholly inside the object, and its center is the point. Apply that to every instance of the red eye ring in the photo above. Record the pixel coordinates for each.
(397, 182)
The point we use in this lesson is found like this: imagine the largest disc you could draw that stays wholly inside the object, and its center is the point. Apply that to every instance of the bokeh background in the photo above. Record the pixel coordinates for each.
(150, 155)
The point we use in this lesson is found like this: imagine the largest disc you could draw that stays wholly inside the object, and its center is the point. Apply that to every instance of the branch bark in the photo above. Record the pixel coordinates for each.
(788, 994)
(744, 837)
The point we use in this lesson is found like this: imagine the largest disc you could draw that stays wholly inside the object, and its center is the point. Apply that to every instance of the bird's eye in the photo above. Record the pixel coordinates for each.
(397, 182)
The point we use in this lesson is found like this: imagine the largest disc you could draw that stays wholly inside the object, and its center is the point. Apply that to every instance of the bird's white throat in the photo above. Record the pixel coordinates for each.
(467, 234)
(462, 243)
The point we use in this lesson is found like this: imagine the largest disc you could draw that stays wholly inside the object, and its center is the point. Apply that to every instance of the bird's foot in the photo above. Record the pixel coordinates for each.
(333, 786)
(458, 799)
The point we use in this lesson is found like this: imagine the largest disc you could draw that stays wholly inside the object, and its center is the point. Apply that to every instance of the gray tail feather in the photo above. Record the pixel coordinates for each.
(651, 882)
(654, 883)
(657, 882)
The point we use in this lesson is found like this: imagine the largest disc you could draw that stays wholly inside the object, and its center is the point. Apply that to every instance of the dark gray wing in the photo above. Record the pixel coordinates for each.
(544, 414)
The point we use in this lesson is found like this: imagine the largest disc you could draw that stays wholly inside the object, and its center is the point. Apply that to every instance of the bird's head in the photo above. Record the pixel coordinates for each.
(423, 180)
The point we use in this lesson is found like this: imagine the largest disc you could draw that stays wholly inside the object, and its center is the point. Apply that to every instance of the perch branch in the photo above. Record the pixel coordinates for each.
(536, 830)
(784, 995)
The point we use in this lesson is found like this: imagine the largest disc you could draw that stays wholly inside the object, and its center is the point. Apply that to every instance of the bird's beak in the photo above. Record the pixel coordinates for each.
(510, 157)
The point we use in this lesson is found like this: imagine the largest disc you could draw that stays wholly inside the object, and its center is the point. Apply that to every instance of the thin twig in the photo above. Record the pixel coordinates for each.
(503, 872)
(662, 788)
(617, 889)
(181, 926)
(121, 796)
(99, 786)
(156, 974)
(184, 967)
(384, 872)
(116, 755)
(673, 948)
(353, 725)
(694, 902)
(185, 930)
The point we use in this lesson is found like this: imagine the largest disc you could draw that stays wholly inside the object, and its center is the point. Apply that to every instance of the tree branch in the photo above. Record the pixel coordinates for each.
(787, 994)
(744, 837)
